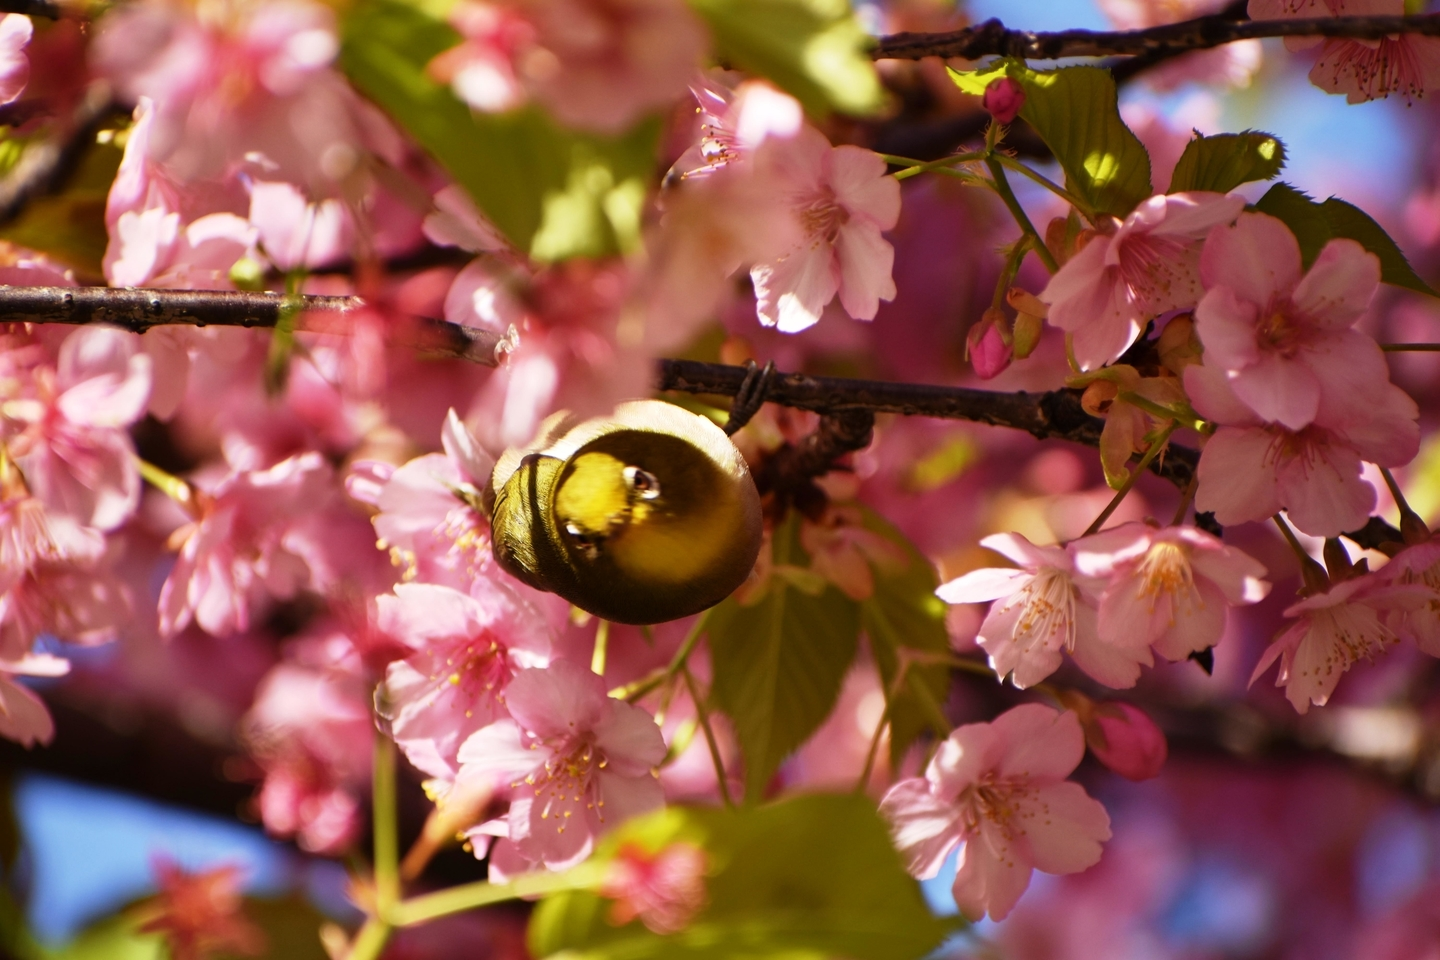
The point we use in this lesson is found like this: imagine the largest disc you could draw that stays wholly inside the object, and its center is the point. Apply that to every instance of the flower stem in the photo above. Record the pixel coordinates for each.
(1002, 187)
(882, 723)
(469, 896)
(1412, 527)
(383, 813)
(704, 717)
(370, 941)
(1140, 468)
(1186, 499)
(917, 167)
(1314, 575)
(1048, 184)
(602, 644)
(652, 680)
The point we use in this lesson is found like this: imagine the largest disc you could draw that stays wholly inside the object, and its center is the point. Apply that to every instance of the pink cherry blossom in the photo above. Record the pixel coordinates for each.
(73, 446)
(1282, 338)
(844, 551)
(312, 733)
(23, 716)
(999, 788)
(465, 649)
(1249, 470)
(239, 553)
(457, 222)
(295, 232)
(1232, 64)
(843, 201)
(1134, 270)
(574, 761)
(15, 33)
(1407, 64)
(1419, 566)
(1334, 630)
(253, 83)
(663, 889)
(31, 535)
(1042, 609)
(595, 64)
(1167, 588)
(80, 601)
(734, 124)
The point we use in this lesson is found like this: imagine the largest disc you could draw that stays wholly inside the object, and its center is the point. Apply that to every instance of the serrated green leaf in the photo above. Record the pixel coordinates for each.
(1076, 113)
(1223, 162)
(808, 878)
(904, 613)
(815, 50)
(1316, 224)
(551, 191)
(778, 664)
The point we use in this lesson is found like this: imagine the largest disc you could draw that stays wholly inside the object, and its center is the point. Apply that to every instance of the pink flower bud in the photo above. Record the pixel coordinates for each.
(988, 345)
(1123, 738)
(1003, 99)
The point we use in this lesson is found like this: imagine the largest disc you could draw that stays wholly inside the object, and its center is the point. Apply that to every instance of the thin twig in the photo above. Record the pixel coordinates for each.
(48, 9)
(992, 38)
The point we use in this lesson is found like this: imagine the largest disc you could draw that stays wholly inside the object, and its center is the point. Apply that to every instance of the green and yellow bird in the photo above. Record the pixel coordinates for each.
(641, 517)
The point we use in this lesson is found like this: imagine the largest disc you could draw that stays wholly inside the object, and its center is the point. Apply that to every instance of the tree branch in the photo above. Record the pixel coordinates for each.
(48, 9)
(45, 166)
(992, 38)
(139, 310)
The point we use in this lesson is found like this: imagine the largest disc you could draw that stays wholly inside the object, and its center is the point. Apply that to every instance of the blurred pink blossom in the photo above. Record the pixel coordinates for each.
(1232, 64)
(312, 733)
(664, 889)
(999, 789)
(595, 64)
(1134, 270)
(238, 553)
(1168, 587)
(23, 716)
(464, 652)
(575, 762)
(843, 200)
(74, 447)
(1419, 565)
(15, 33)
(1407, 64)
(295, 232)
(846, 553)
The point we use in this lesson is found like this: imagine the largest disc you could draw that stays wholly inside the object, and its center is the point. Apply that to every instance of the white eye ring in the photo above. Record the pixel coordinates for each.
(645, 484)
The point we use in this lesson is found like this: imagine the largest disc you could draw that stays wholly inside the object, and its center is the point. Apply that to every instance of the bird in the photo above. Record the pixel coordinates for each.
(644, 516)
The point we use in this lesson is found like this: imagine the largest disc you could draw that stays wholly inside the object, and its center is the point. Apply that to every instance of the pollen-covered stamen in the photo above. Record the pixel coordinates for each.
(480, 670)
(1280, 332)
(998, 802)
(1152, 265)
(25, 535)
(1166, 571)
(566, 783)
(822, 218)
(1355, 632)
(1047, 609)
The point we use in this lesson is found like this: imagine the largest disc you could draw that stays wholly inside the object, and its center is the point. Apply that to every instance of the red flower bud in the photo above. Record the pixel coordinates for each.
(1003, 99)
(1123, 738)
(988, 344)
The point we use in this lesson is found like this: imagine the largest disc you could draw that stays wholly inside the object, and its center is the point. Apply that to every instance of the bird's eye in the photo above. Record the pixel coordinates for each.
(644, 483)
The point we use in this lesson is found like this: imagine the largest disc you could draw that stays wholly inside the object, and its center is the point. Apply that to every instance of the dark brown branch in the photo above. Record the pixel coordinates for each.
(992, 38)
(139, 310)
(45, 166)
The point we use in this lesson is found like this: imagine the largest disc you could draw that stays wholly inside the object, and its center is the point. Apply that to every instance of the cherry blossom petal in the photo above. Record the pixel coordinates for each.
(1258, 258)
(979, 586)
(1235, 483)
(1226, 325)
(1339, 285)
(792, 292)
(990, 875)
(1279, 390)
(866, 261)
(1043, 743)
(1064, 827)
(1323, 492)
(924, 827)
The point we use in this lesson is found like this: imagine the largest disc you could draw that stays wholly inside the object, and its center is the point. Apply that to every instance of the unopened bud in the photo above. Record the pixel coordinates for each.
(248, 274)
(1098, 396)
(1412, 529)
(1178, 346)
(1030, 314)
(988, 344)
(1003, 99)
(1337, 560)
(1127, 741)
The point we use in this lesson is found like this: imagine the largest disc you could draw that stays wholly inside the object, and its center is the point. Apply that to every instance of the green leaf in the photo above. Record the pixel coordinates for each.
(778, 664)
(1316, 224)
(1075, 111)
(551, 191)
(904, 613)
(1223, 162)
(808, 878)
(815, 50)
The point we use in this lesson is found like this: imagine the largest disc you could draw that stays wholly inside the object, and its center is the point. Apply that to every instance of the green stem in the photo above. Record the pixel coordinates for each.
(1140, 468)
(1002, 187)
(1410, 347)
(704, 717)
(1314, 575)
(881, 724)
(917, 167)
(167, 483)
(1186, 499)
(1161, 412)
(383, 813)
(469, 896)
(602, 644)
(370, 941)
(1048, 184)
(634, 691)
